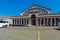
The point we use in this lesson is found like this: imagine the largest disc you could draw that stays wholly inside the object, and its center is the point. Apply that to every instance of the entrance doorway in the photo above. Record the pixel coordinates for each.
(33, 19)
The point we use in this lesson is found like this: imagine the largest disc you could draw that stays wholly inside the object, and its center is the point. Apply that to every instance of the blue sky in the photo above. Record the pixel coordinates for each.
(14, 7)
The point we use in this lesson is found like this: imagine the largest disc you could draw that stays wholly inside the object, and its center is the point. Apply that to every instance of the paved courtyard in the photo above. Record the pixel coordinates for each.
(29, 33)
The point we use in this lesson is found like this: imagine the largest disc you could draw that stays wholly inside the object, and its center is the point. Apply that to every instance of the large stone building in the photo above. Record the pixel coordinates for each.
(36, 15)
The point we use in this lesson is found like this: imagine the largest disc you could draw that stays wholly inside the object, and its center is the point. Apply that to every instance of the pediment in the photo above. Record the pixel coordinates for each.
(34, 6)
(34, 9)
(38, 6)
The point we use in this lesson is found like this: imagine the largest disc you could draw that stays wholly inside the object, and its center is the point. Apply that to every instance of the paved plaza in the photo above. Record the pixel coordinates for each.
(29, 33)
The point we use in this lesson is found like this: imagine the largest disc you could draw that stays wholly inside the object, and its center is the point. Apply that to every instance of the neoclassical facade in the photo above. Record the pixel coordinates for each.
(36, 15)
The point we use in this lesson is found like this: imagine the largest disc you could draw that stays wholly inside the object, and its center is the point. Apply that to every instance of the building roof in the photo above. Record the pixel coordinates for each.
(40, 6)
(35, 5)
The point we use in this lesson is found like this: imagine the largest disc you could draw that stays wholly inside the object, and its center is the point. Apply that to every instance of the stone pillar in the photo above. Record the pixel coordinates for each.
(40, 22)
(16, 21)
(29, 20)
(51, 22)
(54, 21)
(21, 21)
(47, 21)
(44, 22)
(13, 21)
(25, 22)
(36, 21)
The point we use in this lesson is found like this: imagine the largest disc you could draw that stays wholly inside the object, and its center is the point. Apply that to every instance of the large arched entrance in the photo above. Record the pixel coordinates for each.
(33, 19)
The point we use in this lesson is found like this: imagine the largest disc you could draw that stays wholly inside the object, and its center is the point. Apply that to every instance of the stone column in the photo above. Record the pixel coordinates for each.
(16, 22)
(51, 22)
(13, 21)
(44, 22)
(25, 21)
(54, 21)
(47, 21)
(36, 21)
(40, 22)
(21, 21)
(29, 20)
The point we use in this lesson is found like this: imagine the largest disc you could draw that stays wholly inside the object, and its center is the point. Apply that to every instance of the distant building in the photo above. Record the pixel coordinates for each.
(36, 15)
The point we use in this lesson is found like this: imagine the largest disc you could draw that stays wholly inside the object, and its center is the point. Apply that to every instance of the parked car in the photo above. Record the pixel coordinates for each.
(4, 24)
